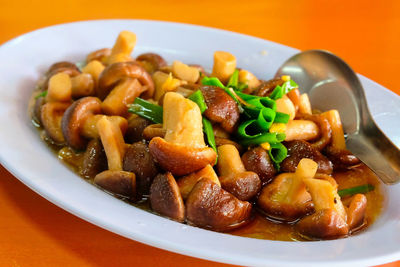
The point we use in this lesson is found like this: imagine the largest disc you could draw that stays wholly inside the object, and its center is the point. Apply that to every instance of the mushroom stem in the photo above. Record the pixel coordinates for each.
(89, 128)
(182, 121)
(113, 143)
(229, 160)
(59, 89)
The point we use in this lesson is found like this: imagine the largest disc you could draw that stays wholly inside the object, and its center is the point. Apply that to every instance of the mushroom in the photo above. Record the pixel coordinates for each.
(286, 198)
(122, 48)
(209, 206)
(154, 130)
(74, 119)
(233, 176)
(61, 67)
(224, 65)
(187, 183)
(138, 160)
(248, 78)
(51, 115)
(100, 55)
(82, 85)
(165, 197)
(94, 68)
(258, 161)
(185, 72)
(117, 182)
(59, 88)
(300, 149)
(266, 87)
(114, 179)
(136, 125)
(221, 108)
(151, 61)
(182, 150)
(329, 219)
(356, 211)
(94, 159)
(114, 73)
(116, 103)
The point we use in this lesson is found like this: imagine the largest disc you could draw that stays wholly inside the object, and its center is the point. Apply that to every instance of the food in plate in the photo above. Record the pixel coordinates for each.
(222, 150)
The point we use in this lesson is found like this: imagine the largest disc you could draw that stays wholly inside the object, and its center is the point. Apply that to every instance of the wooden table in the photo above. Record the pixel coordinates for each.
(34, 232)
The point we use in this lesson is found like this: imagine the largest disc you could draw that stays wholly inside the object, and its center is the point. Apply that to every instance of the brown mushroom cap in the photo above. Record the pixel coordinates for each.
(74, 118)
(138, 160)
(156, 61)
(323, 224)
(270, 201)
(113, 73)
(117, 182)
(94, 159)
(209, 206)
(222, 108)
(258, 161)
(165, 197)
(299, 149)
(356, 211)
(136, 125)
(243, 185)
(180, 160)
(51, 116)
(65, 67)
(99, 55)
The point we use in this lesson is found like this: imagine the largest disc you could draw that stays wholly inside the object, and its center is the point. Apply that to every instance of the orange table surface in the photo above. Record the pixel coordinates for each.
(34, 232)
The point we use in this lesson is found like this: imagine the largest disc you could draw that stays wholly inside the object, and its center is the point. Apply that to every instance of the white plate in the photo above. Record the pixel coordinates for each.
(25, 58)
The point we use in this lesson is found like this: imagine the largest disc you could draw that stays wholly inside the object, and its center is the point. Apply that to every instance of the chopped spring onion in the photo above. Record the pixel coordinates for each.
(42, 94)
(281, 117)
(147, 110)
(213, 81)
(286, 87)
(234, 80)
(277, 153)
(356, 190)
(198, 98)
(208, 130)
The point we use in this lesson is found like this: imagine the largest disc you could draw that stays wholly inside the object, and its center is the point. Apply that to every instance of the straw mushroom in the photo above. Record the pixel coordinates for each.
(258, 161)
(286, 198)
(182, 150)
(165, 197)
(51, 116)
(233, 176)
(209, 206)
(114, 73)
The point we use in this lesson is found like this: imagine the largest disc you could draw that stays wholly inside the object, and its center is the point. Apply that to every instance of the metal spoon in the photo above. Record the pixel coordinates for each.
(332, 84)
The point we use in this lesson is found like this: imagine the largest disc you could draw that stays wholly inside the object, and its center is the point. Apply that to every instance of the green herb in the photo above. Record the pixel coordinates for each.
(281, 117)
(356, 190)
(277, 153)
(242, 86)
(234, 80)
(42, 94)
(147, 110)
(198, 98)
(213, 81)
(208, 130)
(286, 87)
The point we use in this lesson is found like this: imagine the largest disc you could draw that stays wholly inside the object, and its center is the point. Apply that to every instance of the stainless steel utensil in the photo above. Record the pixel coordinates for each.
(332, 84)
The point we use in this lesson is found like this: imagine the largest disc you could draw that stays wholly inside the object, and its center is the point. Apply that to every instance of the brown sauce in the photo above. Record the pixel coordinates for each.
(260, 227)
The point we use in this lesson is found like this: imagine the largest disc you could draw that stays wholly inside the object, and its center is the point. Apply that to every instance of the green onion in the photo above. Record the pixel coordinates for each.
(198, 98)
(356, 190)
(234, 80)
(277, 153)
(80, 65)
(213, 81)
(208, 130)
(147, 110)
(42, 94)
(242, 86)
(286, 87)
(281, 117)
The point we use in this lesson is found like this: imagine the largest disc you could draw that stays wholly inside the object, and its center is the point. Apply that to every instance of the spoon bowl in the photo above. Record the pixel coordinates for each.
(332, 84)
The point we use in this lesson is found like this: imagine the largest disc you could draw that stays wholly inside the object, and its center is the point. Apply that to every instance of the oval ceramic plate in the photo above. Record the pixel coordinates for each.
(25, 59)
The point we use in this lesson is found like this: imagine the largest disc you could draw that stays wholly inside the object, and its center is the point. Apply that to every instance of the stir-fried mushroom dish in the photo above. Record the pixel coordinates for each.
(219, 149)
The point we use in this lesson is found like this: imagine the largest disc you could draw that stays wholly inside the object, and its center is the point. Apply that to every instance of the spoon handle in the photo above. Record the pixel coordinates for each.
(373, 148)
